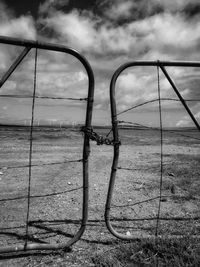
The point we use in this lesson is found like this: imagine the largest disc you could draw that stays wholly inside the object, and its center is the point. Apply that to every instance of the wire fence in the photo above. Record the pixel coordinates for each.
(45, 186)
(43, 97)
(154, 178)
(148, 187)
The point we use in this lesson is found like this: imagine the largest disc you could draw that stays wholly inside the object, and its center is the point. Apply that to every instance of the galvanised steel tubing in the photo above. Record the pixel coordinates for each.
(14, 66)
(86, 145)
(115, 76)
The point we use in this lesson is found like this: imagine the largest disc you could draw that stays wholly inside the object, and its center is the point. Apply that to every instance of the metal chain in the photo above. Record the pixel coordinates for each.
(99, 139)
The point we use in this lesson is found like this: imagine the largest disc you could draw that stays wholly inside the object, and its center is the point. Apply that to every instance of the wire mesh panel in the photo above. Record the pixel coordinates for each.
(154, 183)
(44, 157)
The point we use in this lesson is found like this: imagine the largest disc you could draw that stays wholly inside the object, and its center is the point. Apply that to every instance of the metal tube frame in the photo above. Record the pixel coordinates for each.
(28, 44)
(161, 65)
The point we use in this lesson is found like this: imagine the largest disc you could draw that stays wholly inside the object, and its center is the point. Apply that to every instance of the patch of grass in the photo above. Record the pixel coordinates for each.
(175, 252)
(186, 173)
(180, 170)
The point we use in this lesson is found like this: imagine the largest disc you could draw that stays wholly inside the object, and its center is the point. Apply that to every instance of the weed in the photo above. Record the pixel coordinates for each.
(157, 252)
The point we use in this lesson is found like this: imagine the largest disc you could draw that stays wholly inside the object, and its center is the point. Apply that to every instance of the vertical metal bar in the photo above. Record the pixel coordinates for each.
(115, 158)
(14, 66)
(86, 146)
(161, 151)
(31, 150)
(179, 96)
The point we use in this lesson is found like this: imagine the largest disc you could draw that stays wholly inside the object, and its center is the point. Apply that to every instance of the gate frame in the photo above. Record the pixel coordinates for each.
(120, 69)
(29, 44)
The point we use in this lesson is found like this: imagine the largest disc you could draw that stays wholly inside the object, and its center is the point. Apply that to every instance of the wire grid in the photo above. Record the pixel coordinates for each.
(145, 197)
(49, 210)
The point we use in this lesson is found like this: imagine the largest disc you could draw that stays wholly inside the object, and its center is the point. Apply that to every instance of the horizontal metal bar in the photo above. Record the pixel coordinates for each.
(59, 48)
(37, 246)
(41, 45)
(160, 63)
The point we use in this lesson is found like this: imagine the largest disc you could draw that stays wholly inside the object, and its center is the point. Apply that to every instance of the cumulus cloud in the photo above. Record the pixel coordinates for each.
(162, 35)
(197, 115)
(167, 36)
(136, 87)
(22, 27)
(187, 121)
(73, 29)
(5, 13)
(52, 80)
(119, 10)
(184, 122)
(125, 11)
(172, 5)
(50, 5)
(63, 84)
(58, 74)
(122, 31)
(186, 7)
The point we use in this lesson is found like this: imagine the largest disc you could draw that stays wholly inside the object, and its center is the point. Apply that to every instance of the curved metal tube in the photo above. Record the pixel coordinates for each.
(115, 76)
(86, 146)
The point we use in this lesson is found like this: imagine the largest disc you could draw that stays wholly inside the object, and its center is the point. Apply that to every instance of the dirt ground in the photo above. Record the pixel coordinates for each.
(55, 214)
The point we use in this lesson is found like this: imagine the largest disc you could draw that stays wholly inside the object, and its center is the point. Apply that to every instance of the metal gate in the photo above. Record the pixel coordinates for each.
(129, 221)
(29, 241)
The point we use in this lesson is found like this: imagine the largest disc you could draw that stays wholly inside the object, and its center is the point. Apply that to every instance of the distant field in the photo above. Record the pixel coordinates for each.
(56, 217)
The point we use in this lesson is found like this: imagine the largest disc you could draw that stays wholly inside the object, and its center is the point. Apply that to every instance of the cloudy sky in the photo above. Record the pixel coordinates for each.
(108, 33)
